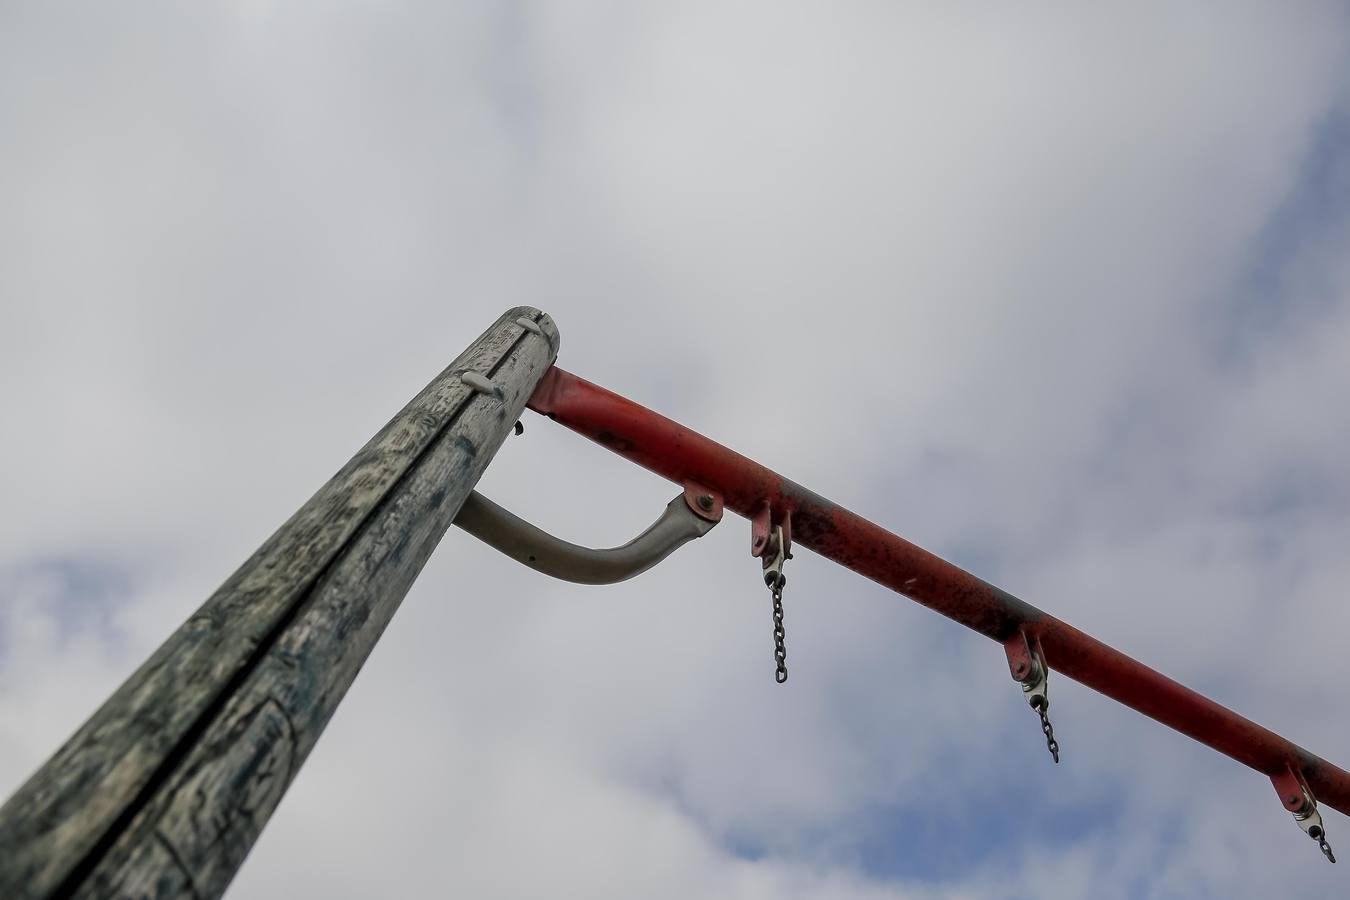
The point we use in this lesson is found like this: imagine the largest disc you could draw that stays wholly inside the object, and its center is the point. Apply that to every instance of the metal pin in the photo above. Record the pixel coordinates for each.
(480, 384)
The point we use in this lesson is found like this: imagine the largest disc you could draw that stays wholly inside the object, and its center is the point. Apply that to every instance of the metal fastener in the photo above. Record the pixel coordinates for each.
(480, 384)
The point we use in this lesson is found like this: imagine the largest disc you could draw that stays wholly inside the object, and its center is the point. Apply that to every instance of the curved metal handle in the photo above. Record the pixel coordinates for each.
(541, 551)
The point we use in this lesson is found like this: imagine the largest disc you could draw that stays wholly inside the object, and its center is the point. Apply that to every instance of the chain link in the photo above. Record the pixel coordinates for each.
(779, 647)
(1310, 820)
(1050, 743)
(1324, 846)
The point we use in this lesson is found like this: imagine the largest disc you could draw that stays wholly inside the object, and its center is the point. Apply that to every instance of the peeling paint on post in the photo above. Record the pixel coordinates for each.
(165, 789)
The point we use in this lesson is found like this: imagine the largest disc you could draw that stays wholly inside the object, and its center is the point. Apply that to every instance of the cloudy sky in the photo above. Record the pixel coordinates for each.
(1063, 297)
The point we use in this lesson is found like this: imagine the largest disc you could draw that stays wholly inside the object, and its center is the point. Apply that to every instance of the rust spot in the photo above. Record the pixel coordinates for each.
(614, 441)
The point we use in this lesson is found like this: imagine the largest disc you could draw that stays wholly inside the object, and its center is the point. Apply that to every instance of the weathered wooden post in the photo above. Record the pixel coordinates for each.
(164, 790)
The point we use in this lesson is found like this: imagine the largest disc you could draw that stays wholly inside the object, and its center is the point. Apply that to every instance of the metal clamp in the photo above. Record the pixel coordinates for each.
(690, 515)
(772, 544)
(774, 557)
(1298, 800)
(1026, 662)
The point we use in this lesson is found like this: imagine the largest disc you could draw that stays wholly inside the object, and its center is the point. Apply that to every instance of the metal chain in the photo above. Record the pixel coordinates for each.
(1051, 744)
(1310, 820)
(1325, 847)
(779, 647)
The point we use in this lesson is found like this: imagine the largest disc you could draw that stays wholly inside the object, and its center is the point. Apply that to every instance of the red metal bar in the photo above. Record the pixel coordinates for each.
(675, 452)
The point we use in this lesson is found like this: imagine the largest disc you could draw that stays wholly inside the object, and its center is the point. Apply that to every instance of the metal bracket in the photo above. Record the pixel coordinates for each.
(771, 543)
(690, 515)
(1026, 662)
(1026, 667)
(1296, 797)
(703, 502)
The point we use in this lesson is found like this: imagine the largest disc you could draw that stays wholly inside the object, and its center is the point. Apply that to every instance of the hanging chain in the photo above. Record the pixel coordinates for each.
(1050, 743)
(1029, 667)
(779, 647)
(773, 552)
(1310, 820)
(1324, 846)
(1290, 784)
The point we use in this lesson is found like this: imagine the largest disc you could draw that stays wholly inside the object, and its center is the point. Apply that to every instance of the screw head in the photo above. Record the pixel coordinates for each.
(705, 502)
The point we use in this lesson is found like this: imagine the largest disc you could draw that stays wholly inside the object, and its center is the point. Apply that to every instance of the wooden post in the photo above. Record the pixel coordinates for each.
(164, 790)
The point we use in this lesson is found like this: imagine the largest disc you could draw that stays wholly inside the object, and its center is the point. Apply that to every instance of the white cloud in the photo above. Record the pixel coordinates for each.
(985, 257)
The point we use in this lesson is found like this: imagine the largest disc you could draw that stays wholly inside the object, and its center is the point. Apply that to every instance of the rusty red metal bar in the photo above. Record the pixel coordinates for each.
(684, 456)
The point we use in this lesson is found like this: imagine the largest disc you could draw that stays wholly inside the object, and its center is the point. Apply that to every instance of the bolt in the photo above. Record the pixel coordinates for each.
(705, 502)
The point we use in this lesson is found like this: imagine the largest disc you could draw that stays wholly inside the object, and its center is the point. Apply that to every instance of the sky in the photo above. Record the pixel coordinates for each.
(1062, 295)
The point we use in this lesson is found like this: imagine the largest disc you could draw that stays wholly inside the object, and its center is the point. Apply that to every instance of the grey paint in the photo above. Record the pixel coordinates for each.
(541, 551)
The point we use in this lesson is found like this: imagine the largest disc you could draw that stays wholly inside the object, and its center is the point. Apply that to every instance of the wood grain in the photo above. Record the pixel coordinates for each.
(166, 787)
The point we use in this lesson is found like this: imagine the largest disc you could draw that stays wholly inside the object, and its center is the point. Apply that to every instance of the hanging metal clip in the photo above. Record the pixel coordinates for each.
(773, 545)
(1026, 661)
(1296, 797)
(774, 557)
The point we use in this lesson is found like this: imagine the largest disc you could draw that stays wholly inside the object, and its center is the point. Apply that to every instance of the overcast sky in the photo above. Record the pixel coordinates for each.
(1062, 296)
